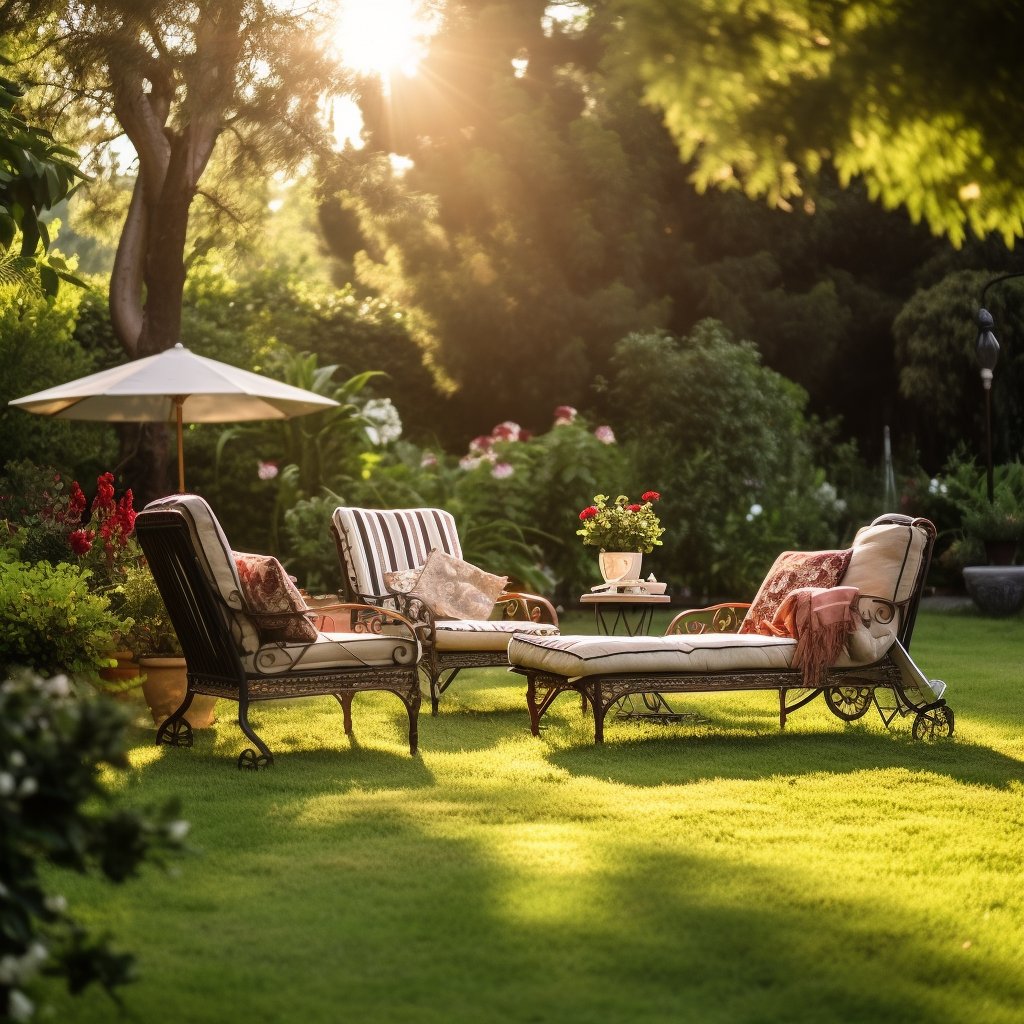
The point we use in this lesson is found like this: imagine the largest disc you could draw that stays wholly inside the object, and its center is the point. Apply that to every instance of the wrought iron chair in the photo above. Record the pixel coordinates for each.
(372, 542)
(226, 656)
(703, 652)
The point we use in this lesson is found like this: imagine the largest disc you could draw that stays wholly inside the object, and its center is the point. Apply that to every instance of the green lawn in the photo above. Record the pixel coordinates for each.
(715, 872)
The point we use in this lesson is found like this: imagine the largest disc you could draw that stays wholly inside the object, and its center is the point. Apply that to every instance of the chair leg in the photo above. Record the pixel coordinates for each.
(412, 706)
(250, 759)
(345, 700)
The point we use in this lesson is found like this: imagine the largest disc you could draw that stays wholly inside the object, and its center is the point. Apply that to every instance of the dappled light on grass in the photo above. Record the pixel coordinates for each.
(715, 872)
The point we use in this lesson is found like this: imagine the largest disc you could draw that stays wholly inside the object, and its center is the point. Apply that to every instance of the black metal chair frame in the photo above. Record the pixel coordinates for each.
(202, 619)
(441, 667)
(848, 692)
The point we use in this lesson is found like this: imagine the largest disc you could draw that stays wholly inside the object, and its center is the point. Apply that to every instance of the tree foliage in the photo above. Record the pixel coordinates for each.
(918, 100)
(35, 175)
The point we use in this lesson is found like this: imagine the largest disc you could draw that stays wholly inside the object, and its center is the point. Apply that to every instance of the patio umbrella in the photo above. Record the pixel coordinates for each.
(175, 386)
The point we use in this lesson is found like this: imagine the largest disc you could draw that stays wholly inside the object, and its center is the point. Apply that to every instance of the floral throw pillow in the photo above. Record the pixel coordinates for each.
(791, 571)
(450, 587)
(280, 613)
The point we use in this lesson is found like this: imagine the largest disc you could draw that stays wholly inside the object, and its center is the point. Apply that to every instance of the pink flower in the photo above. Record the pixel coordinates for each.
(266, 470)
(650, 496)
(428, 460)
(480, 445)
(502, 470)
(507, 431)
(468, 462)
(588, 513)
(564, 414)
(605, 434)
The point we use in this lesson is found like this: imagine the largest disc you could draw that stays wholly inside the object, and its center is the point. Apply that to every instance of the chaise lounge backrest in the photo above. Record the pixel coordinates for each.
(890, 560)
(374, 541)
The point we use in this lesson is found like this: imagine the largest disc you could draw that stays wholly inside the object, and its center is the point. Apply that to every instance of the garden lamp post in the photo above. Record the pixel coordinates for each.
(987, 350)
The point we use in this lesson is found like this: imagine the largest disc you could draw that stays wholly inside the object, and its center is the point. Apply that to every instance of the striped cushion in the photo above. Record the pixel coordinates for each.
(216, 560)
(376, 541)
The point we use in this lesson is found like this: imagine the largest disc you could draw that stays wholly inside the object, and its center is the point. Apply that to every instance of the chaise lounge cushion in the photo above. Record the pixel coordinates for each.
(333, 650)
(575, 656)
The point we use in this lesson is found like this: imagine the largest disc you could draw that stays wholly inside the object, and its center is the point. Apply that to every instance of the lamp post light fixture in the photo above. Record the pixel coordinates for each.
(987, 350)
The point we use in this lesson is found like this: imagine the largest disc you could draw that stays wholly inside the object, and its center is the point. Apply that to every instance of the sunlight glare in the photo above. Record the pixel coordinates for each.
(383, 36)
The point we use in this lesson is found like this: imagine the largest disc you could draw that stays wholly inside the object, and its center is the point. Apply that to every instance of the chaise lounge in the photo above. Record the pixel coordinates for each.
(717, 649)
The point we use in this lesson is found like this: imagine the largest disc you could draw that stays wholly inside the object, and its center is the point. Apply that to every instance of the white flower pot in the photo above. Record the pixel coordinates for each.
(619, 565)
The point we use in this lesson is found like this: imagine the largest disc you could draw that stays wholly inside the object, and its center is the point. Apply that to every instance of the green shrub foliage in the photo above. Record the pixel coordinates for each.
(54, 808)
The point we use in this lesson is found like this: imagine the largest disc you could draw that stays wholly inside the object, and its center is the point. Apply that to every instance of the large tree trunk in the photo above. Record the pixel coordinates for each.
(147, 286)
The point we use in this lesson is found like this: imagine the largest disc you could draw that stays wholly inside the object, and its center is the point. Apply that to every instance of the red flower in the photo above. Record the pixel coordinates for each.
(76, 501)
(633, 508)
(588, 513)
(81, 541)
(650, 496)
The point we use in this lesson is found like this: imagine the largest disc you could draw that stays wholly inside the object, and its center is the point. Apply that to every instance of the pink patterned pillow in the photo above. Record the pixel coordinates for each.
(791, 571)
(273, 600)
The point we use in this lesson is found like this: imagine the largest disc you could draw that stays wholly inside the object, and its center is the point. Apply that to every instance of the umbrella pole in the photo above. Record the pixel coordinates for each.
(179, 400)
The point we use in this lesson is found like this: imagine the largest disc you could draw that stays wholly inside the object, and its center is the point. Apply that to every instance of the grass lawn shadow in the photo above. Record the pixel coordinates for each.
(679, 760)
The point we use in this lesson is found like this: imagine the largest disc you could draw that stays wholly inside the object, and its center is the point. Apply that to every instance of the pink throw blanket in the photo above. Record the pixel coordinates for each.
(820, 620)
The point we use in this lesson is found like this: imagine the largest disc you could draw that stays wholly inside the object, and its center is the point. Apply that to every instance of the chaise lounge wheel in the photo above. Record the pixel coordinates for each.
(848, 702)
(251, 760)
(933, 724)
(175, 732)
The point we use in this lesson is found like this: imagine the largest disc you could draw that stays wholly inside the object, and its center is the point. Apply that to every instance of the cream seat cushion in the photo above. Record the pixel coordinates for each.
(576, 656)
(333, 650)
(486, 634)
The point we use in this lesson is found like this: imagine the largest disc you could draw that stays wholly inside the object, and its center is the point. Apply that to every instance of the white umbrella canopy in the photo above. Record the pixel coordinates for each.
(175, 386)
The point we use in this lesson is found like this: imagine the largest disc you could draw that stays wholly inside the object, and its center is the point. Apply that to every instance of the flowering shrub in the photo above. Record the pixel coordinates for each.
(45, 522)
(105, 543)
(623, 525)
(54, 810)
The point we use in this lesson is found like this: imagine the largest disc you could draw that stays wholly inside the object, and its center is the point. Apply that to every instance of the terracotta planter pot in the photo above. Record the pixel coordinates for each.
(164, 689)
(126, 670)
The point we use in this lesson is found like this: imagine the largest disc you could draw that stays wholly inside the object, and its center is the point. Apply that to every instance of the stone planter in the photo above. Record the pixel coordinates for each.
(164, 689)
(996, 589)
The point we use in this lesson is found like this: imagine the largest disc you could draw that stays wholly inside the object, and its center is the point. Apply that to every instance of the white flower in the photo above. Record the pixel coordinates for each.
(755, 511)
(56, 904)
(58, 686)
(19, 1006)
(468, 462)
(177, 830)
(386, 425)
(28, 786)
(16, 759)
(9, 969)
(266, 470)
(6, 784)
(428, 460)
(502, 471)
(605, 434)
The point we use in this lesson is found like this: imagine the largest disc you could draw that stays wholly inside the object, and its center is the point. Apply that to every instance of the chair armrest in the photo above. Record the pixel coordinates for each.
(875, 609)
(534, 606)
(716, 618)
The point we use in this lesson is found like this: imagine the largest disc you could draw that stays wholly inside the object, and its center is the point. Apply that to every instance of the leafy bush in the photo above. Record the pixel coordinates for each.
(53, 809)
(726, 441)
(52, 622)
